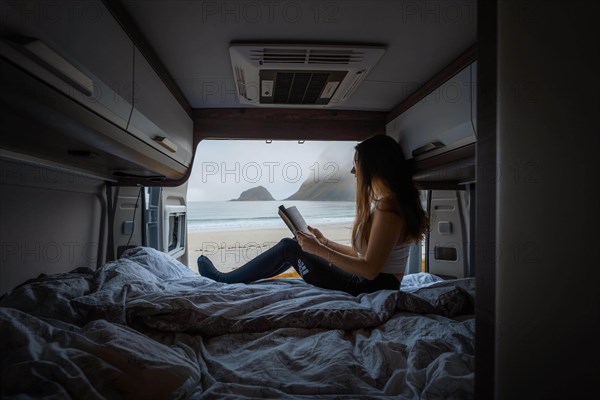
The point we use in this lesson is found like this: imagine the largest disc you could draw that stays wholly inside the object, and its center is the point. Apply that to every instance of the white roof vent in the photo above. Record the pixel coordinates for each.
(300, 75)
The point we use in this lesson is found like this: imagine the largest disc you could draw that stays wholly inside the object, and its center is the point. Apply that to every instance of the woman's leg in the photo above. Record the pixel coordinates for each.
(267, 264)
(317, 271)
(313, 269)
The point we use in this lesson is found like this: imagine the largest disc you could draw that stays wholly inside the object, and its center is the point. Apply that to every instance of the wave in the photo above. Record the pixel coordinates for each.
(209, 219)
(213, 216)
(237, 224)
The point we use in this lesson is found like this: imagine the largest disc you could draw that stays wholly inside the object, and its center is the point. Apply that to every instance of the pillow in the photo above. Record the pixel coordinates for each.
(158, 263)
(412, 282)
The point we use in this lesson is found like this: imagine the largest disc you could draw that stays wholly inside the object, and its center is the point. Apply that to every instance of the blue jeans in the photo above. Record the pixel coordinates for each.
(313, 269)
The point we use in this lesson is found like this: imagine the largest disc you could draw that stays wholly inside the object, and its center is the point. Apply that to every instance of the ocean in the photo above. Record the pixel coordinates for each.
(234, 215)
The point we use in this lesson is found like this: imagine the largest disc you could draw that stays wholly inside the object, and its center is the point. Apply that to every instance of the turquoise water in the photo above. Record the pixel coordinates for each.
(226, 215)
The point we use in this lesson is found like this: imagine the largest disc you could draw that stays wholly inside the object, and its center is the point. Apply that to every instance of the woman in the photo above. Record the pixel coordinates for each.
(389, 217)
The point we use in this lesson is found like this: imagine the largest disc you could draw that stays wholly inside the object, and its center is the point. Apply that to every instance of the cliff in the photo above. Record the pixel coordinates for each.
(333, 181)
(342, 189)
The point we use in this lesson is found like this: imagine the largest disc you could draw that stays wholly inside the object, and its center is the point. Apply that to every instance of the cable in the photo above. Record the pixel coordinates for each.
(134, 211)
(471, 97)
(132, 91)
(111, 220)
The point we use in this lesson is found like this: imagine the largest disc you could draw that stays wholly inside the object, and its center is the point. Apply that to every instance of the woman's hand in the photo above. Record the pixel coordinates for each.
(322, 239)
(310, 244)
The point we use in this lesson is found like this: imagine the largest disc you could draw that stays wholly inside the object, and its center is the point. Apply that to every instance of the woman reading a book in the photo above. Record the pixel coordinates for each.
(389, 218)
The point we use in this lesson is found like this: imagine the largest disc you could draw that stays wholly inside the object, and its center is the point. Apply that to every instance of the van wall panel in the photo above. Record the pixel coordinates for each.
(50, 222)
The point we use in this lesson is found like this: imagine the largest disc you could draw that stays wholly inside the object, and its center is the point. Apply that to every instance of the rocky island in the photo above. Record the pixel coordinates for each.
(259, 193)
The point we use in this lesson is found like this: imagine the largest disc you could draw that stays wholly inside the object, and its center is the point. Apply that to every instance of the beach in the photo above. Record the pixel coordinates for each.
(231, 248)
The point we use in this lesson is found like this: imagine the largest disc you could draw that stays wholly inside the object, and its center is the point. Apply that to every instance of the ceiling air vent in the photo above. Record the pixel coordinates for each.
(296, 75)
(306, 56)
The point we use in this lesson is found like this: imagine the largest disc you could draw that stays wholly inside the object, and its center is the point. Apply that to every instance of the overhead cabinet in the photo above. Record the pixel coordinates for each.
(52, 40)
(157, 118)
(79, 50)
(443, 120)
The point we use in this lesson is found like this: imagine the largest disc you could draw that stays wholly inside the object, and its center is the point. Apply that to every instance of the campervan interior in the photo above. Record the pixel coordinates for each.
(104, 102)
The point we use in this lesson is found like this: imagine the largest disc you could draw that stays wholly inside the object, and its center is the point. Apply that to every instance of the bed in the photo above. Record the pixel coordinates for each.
(145, 326)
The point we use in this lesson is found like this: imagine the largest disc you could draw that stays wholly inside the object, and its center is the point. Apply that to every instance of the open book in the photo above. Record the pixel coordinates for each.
(293, 219)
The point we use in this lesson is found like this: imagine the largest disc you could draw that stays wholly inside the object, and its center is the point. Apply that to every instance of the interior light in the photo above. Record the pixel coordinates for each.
(268, 141)
(301, 141)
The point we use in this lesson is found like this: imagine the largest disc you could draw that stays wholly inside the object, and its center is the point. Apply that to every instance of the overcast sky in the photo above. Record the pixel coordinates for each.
(225, 168)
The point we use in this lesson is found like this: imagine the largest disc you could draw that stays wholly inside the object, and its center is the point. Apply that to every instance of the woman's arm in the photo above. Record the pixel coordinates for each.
(388, 227)
(340, 248)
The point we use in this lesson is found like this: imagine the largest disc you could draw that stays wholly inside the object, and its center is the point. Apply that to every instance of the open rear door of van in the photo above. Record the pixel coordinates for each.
(151, 216)
(165, 220)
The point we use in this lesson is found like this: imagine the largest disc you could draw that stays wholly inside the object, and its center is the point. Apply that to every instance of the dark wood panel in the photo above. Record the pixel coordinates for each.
(286, 124)
(449, 157)
(448, 72)
(446, 171)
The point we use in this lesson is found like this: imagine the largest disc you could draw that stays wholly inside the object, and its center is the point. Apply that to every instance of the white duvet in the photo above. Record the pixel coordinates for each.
(145, 326)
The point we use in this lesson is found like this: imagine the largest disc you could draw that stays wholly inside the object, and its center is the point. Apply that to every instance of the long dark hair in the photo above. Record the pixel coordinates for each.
(381, 158)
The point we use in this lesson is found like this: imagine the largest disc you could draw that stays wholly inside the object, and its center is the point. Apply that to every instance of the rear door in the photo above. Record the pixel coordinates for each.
(148, 216)
(448, 242)
(165, 220)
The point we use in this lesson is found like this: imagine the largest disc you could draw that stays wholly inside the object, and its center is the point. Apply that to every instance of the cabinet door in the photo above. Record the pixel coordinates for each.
(87, 36)
(157, 114)
(439, 122)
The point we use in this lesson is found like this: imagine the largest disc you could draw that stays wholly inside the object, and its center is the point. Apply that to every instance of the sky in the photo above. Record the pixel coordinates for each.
(223, 169)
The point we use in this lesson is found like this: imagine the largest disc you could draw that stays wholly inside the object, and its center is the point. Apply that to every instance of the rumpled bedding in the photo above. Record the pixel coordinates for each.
(145, 326)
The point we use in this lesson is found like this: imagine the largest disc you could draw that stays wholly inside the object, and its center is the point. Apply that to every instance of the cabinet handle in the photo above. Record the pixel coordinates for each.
(38, 52)
(427, 147)
(166, 143)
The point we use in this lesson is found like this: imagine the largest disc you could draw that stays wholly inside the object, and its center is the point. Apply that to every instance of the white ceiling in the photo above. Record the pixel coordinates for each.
(192, 39)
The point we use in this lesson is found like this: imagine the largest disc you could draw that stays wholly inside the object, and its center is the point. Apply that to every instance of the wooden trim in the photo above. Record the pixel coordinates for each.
(439, 186)
(448, 72)
(446, 158)
(119, 12)
(453, 168)
(279, 124)
(286, 124)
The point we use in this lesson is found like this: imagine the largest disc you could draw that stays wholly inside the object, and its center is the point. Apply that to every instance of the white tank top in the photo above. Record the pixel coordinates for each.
(396, 262)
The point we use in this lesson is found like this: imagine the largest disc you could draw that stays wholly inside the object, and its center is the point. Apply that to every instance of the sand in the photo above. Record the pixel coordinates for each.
(231, 249)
